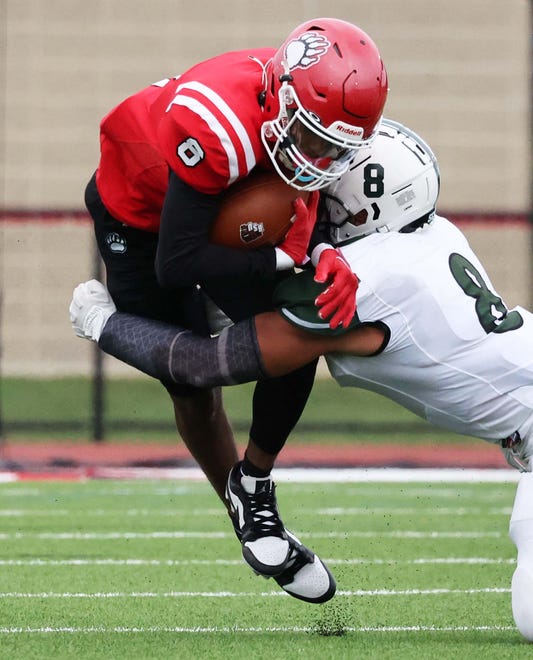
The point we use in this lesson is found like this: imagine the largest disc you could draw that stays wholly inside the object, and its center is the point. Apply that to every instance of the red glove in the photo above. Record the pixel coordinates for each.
(296, 241)
(338, 300)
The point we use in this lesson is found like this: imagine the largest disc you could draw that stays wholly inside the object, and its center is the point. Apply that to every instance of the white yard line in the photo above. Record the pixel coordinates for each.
(239, 562)
(313, 475)
(244, 594)
(99, 536)
(333, 511)
(395, 475)
(238, 629)
(408, 511)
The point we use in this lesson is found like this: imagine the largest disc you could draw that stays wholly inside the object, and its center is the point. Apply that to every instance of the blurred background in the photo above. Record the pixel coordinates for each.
(459, 73)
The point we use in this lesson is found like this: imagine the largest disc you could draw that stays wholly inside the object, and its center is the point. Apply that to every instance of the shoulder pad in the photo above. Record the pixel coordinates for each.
(294, 298)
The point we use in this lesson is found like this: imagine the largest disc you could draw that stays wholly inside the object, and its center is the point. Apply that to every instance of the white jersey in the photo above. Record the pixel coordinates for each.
(456, 356)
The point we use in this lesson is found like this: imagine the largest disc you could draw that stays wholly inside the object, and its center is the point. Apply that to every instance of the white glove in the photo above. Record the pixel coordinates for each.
(90, 308)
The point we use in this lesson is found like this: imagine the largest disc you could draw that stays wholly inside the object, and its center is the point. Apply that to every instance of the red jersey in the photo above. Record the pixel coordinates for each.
(205, 125)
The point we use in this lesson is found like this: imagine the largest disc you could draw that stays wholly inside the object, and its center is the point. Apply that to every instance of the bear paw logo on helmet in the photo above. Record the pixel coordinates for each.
(306, 50)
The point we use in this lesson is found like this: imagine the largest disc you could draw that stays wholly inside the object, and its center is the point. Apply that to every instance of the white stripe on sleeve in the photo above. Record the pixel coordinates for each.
(228, 113)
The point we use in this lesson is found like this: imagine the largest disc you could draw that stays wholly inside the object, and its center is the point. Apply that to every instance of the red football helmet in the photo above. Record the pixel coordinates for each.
(325, 91)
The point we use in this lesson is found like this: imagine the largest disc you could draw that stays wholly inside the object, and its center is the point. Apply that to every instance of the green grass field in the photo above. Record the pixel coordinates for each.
(36, 409)
(151, 569)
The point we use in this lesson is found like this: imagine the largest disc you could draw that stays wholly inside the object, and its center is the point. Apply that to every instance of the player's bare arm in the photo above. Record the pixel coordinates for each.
(285, 347)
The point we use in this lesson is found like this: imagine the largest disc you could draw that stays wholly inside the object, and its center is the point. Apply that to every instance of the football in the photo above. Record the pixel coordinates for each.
(255, 211)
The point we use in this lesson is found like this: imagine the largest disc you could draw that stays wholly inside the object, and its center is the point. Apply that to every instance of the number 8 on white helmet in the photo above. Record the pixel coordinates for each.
(391, 186)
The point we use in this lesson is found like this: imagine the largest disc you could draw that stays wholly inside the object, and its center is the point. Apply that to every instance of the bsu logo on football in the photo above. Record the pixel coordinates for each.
(251, 231)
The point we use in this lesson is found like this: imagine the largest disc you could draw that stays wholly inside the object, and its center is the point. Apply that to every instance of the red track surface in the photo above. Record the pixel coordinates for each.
(53, 455)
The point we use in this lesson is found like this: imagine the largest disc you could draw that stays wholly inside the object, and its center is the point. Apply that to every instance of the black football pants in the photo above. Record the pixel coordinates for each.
(129, 255)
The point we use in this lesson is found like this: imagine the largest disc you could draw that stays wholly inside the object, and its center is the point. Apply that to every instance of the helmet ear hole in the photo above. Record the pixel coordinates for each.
(360, 218)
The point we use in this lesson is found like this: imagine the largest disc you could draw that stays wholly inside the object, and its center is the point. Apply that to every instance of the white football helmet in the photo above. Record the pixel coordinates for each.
(389, 186)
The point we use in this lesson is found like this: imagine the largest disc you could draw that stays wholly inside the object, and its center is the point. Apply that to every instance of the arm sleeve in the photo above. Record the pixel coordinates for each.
(320, 236)
(185, 256)
(176, 355)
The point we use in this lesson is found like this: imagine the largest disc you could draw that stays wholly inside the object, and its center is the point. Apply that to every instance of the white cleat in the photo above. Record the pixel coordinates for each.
(306, 576)
(90, 308)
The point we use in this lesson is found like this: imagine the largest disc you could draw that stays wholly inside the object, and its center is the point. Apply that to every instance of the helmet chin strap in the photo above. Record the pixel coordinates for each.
(285, 93)
(263, 68)
(286, 75)
(264, 78)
